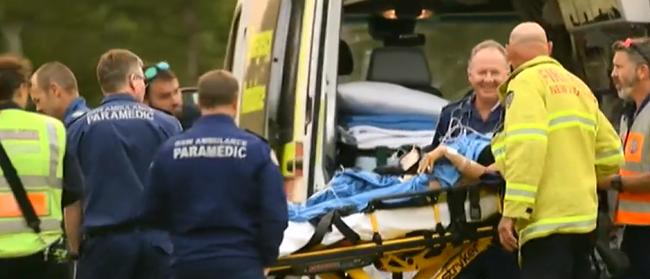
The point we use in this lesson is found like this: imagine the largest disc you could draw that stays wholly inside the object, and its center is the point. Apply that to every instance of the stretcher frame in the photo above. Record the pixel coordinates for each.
(439, 254)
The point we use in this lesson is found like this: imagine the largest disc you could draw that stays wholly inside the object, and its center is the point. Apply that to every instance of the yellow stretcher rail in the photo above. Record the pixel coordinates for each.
(435, 254)
(427, 253)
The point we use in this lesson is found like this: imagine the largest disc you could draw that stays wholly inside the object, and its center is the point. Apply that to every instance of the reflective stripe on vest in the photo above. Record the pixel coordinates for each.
(54, 148)
(9, 206)
(634, 208)
(34, 181)
(18, 226)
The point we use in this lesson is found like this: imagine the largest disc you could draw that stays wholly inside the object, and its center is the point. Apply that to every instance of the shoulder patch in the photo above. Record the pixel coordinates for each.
(508, 99)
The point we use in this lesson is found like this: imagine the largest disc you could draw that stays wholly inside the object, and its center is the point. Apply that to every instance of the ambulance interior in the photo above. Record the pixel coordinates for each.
(410, 58)
(398, 63)
(396, 69)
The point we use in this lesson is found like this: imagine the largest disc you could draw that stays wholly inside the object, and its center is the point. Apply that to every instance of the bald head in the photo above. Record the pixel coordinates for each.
(527, 41)
(217, 88)
(528, 32)
(56, 72)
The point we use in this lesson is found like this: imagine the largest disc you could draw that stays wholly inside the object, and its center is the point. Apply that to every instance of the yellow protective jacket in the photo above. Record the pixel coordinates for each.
(554, 144)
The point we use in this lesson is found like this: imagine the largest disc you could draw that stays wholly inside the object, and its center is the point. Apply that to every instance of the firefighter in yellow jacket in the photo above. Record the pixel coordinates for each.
(554, 145)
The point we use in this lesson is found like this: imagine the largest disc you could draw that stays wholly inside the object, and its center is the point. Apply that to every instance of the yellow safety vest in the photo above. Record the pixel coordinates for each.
(554, 144)
(35, 144)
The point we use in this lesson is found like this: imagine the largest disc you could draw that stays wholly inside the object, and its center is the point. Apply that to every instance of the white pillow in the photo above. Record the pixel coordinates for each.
(371, 97)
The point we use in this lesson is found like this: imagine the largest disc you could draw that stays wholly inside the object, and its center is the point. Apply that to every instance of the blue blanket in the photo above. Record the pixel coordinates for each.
(354, 189)
(392, 121)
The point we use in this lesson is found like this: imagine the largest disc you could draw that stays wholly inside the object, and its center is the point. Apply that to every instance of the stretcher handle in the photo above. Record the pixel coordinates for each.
(392, 201)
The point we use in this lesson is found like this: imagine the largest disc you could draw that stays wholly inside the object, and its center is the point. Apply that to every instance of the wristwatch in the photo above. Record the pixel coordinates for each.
(617, 183)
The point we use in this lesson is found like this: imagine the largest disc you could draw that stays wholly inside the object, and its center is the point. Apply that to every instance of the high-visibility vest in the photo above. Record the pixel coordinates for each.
(634, 208)
(35, 144)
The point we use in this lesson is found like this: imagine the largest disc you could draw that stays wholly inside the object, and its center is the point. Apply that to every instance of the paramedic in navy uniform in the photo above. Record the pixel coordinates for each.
(115, 144)
(487, 68)
(218, 191)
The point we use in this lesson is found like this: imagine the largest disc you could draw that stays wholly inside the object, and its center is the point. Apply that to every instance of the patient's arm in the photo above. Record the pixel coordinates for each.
(468, 168)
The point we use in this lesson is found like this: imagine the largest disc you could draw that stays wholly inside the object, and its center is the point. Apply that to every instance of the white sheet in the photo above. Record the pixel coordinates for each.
(392, 224)
(370, 137)
(370, 97)
(367, 132)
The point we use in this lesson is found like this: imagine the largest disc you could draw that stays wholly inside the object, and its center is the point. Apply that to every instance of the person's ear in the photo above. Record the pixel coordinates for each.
(132, 82)
(54, 89)
(643, 71)
(550, 48)
(21, 96)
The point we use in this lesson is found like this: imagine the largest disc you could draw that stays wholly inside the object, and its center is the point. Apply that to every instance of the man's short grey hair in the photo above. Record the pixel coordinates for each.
(485, 45)
(638, 49)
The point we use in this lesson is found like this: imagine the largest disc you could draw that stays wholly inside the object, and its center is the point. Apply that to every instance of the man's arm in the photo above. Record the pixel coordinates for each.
(155, 193)
(71, 201)
(73, 217)
(525, 145)
(609, 152)
(631, 184)
(273, 210)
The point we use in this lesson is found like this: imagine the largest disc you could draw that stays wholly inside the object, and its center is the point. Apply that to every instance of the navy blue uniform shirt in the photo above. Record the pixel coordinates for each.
(74, 111)
(465, 111)
(218, 192)
(115, 144)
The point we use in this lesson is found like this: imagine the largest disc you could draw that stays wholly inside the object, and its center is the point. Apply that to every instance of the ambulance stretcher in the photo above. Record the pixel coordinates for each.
(436, 233)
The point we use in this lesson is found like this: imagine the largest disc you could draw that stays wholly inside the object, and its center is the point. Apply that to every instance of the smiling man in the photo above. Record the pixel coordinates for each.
(487, 68)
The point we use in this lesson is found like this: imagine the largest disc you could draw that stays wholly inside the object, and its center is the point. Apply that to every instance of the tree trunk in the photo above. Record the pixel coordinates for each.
(193, 43)
(11, 32)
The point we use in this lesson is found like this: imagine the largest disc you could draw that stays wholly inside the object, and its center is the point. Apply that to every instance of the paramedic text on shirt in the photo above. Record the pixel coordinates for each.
(218, 191)
(115, 144)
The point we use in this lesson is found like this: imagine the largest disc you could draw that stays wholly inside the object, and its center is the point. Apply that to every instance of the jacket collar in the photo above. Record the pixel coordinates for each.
(503, 88)
(215, 119)
(116, 97)
(9, 105)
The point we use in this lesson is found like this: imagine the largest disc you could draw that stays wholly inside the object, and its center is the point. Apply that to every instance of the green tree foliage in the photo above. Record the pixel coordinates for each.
(190, 34)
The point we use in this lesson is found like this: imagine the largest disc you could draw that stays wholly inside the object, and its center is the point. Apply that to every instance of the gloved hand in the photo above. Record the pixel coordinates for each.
(58, 252)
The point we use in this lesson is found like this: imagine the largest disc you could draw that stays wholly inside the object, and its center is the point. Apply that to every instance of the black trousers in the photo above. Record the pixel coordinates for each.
(636, 244)
(558, 256)
(32, 267)
(493, 263)
(231, 268)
